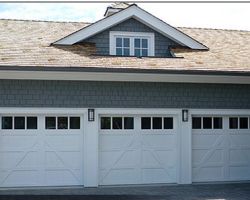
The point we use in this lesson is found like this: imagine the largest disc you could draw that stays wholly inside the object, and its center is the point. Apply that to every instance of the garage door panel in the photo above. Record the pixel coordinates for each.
(30, 159)
(158, 158)
(159, 141)
(52, 160)
(150, 159)
(62, 177)
(158, 176)
(240, 140)
(205, 157)
(124, 159)
(116, 141)
(208, 174)
(224, 154)
(167, 157)
(118, 159)
(14, 159)
(239, 172)
(21, 177)
(240, 156)
(107, 158)
(137, 156)
(118, 176)
(40, 157)
(63, 143)
(62, 159)
(17, 143)
(207, 141)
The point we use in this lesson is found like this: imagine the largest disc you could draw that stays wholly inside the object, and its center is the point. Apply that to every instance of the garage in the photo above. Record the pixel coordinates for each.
(221, 148)
(137, 149)
(41, 150)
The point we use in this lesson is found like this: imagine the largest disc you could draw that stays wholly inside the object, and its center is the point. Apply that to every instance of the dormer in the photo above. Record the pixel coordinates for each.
(128, 30)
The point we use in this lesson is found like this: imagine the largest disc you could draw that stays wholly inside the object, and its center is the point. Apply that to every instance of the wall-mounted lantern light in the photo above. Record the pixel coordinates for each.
(184, 115)
(91, 114)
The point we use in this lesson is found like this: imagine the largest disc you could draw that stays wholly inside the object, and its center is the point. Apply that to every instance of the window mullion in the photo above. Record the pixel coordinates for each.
(131, 48)
(140, 46)
(123, 46)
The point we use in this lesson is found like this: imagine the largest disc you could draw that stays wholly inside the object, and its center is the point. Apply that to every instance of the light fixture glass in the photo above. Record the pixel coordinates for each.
(91, 115)
(184, 115)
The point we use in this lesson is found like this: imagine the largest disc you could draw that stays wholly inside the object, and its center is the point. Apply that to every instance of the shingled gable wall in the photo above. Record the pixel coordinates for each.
(38, 93)
(132, 25)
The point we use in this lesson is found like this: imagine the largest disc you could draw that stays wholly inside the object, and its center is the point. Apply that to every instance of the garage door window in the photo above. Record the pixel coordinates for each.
(157, 123)
(106, 123)
(74, 122)
(62, 122)
(238, 122)
(146, 123)
(50, 123)
(233, 122)
(117, 123)
(7, 122)
(19, 122)
(128, 123)
(243, 123)
(196, 122)
(207, 123)
(168, 123)
(217, 122)
(31, 122)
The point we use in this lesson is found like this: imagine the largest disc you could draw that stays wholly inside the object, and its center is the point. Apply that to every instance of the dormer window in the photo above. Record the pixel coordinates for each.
(122, 46)
(141, 47)
(131, 44)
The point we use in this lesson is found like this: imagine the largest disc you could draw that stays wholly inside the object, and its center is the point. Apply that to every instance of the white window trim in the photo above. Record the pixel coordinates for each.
(149, 36)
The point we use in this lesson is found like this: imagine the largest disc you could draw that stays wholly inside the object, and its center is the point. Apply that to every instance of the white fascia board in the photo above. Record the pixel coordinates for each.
(37, 110)
(97, 27)
(125, 77)
(142, 16)
(167, 30)
(137, 111)
(219, 112)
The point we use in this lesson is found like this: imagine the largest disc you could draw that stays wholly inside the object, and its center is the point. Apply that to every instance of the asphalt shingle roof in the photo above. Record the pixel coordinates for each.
(27, 43)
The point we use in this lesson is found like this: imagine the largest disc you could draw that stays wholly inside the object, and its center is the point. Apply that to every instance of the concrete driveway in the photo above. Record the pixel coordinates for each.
(233, 191)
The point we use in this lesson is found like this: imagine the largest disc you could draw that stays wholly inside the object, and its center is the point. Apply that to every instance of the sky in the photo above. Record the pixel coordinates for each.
(203, 15)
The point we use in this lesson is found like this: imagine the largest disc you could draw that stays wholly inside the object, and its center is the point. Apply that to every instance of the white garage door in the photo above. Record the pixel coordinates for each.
(221, 148)
(41, 150)
(137, 149)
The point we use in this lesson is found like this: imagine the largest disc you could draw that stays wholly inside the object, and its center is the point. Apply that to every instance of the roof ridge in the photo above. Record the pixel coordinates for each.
(36, 20)
(219, 29)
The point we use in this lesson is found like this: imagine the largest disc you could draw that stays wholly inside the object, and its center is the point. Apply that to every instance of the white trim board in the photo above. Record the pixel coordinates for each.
(39, 110)
(125, 77)
(139, 14)
(220, 112)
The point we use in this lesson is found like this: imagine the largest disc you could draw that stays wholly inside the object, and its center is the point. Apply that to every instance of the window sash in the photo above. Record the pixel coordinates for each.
(146, 47)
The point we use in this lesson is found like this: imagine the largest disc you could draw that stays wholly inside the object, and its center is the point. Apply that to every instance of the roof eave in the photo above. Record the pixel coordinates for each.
(122, 70)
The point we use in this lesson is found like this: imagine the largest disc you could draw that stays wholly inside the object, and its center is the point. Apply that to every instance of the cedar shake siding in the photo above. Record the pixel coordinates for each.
(39, 93)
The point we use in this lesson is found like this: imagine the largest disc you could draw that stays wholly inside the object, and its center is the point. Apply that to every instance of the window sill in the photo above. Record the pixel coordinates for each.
(134, 56)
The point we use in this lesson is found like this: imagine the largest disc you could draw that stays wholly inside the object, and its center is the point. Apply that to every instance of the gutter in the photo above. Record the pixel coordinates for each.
(121, 70)
(122, 75)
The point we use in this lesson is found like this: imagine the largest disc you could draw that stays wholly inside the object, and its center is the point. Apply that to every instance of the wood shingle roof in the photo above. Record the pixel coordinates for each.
(27, 43)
